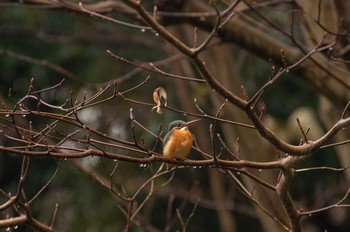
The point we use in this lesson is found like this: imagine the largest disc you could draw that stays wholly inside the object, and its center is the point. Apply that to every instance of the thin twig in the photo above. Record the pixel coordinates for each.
(46, 185)
(336, 205)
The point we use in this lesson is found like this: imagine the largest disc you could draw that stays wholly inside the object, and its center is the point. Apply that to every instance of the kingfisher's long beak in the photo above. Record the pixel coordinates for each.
(193, 122)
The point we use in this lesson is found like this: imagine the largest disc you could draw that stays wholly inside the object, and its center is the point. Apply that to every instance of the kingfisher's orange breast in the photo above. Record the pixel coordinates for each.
(179, 144)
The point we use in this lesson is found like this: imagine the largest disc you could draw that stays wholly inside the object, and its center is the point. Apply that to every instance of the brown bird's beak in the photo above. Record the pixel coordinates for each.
(193, 122)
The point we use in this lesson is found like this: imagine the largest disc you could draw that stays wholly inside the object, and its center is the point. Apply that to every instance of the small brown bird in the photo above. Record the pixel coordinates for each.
(160, 98)
(178, 141)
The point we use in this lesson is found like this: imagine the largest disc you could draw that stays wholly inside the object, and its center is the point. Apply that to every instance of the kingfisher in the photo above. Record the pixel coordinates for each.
(178, 141)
